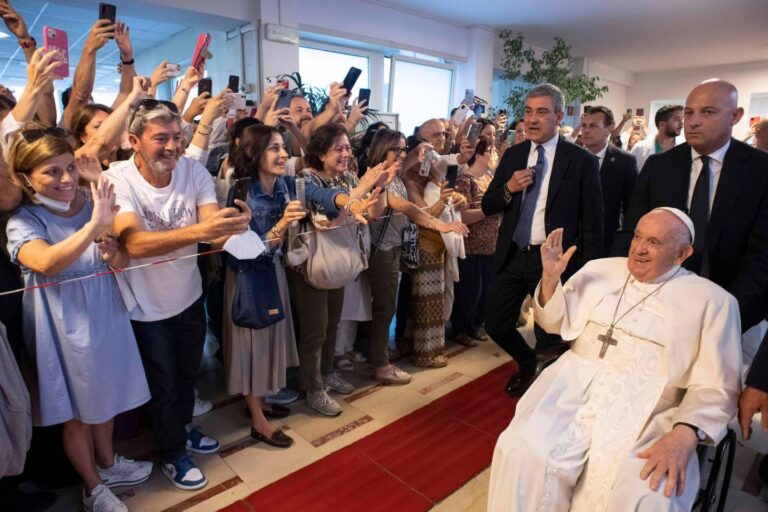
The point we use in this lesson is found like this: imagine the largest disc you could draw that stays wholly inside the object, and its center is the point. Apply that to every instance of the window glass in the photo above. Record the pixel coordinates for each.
(321, 67)
(420, 92)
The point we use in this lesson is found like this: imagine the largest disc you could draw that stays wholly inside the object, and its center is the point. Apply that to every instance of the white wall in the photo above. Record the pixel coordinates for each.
(749, 78)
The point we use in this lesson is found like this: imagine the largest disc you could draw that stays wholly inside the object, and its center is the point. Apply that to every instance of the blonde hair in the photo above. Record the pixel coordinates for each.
(25, 156)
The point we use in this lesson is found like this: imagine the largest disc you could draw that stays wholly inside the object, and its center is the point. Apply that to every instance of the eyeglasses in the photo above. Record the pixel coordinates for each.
(34, 134)
(151, 104)
(398, 151)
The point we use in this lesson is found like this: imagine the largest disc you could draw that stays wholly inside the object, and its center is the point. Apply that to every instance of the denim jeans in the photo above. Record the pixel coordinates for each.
(170, 351)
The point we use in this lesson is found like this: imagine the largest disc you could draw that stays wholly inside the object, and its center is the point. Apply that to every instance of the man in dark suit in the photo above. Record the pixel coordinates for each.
(540, 185)
(618, 170)
(723, 184)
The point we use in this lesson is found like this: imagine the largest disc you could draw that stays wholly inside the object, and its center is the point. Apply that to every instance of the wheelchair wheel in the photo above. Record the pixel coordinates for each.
(715, 494)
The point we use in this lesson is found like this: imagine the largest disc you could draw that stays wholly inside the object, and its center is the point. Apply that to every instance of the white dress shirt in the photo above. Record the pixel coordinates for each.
(538, 228)
(715, 166)
(601, 156)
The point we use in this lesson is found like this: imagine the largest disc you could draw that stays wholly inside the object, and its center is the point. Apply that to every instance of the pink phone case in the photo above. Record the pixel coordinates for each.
(201, 49)
(56, 39)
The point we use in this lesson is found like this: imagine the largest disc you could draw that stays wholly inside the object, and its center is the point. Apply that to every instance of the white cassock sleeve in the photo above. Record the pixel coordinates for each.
(714, 384)
(550, 317)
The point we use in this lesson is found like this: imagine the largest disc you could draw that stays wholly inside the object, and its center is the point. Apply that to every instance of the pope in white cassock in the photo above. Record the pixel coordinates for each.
(654, 369)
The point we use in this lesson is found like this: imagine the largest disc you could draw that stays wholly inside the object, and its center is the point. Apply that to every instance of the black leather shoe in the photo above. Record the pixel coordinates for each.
(520, 381)
(277, 439)
(277, 412)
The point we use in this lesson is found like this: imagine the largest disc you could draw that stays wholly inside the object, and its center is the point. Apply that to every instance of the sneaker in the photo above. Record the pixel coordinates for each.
(201, 406)
(391, 374)
(345, 365)
(102, 500)
(335, 383)
(323, 403)
(356, 357)
(125, 472)
(283, 397)
(183, 473)
(200, 443)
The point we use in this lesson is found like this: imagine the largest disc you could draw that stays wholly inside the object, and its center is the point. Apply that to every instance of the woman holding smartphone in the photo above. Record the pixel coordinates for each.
(79, 333)
(256, 359)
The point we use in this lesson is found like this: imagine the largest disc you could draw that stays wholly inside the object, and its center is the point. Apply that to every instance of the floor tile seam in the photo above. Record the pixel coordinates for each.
(469, 480)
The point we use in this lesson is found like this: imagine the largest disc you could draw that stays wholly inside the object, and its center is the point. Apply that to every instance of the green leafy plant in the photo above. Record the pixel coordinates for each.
(317, 97)
(554, 66)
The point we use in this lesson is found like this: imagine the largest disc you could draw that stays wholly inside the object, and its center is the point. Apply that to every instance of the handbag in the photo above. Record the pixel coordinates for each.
(409, 256)
(256, 303)
(335, 256)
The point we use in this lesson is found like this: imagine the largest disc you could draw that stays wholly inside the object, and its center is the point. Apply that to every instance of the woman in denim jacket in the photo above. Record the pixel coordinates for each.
(256, 359)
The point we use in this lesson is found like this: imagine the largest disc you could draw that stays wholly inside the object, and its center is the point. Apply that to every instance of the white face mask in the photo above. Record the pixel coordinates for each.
(53, 204)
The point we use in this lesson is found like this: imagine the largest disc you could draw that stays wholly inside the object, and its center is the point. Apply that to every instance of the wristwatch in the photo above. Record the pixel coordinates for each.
(700, 434)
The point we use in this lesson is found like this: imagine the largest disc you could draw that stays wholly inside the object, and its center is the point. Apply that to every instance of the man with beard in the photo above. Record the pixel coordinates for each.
(669, 123)
(167, 206)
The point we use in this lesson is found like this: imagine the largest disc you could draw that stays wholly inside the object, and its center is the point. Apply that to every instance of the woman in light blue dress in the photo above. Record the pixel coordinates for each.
(78, 334)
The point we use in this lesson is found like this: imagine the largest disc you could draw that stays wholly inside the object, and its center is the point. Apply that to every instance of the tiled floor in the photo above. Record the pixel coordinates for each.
(243, 467)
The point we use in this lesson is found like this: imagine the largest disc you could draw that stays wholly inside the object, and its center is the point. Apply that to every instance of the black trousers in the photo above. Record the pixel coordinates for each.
(518, 278)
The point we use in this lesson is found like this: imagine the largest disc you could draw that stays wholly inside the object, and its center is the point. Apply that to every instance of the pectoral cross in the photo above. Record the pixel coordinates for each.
(606, 339)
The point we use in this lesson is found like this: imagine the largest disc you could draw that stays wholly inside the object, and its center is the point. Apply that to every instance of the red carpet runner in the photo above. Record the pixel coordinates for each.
(408, 465)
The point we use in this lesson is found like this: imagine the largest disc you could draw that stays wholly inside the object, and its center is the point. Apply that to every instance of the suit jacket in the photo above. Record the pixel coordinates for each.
(618, 174)
(737, 234)
(574, 202)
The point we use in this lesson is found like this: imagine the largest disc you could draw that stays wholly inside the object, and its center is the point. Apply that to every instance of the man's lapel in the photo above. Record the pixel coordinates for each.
(679, 176)
(559, 167)
(733, 176)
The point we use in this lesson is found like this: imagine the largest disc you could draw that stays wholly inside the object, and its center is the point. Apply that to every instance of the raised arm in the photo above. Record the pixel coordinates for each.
(85, 73)
(191, 78)
(127, 69)
(39, 80)
(332, 109)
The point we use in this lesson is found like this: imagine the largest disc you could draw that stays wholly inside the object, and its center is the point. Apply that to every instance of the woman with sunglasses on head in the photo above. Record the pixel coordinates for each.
(388, 148)
(256, 359)
(78, 333)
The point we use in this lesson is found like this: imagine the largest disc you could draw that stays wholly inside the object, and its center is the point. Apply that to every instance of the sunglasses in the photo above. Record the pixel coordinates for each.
(151, 104)
(34, 134)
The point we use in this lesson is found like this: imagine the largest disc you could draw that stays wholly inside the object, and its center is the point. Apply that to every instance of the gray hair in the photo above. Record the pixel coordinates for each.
(139, 117)
(552, 91)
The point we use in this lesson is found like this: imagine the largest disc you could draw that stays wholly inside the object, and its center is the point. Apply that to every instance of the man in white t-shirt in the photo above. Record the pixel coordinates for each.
(669, 123)
(167, 206)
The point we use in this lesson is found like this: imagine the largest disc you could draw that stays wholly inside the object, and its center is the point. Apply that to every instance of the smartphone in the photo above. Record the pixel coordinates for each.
(629, 111)
(479, 110)
(569, 110)
(107, 12)
(511, 134)
(56, 39)
(351, 79)
(473, 133)
(173, 69)
(502, 112)
(238, 191)
(640, 111)
(451, 175)
(205, 85)
(753, 121)
(365, 95)
(587, 108)
(284, 99)
(301, 196)
(201, 52)
(469, 97)
(460, 114)
(426, 165)
(271, 81)
(234, 83)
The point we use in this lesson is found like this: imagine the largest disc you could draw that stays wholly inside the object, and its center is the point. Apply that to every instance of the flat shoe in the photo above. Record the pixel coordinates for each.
(465, 340)
(479, 335)
(277, 439)
(277, 412)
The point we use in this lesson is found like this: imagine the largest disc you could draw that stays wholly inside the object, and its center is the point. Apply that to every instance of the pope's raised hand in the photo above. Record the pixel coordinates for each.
(553, 259)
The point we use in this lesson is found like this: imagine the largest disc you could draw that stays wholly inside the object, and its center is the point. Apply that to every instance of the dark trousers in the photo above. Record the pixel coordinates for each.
(171, 350)
(517, 279)
(403, 309)
(470, 293)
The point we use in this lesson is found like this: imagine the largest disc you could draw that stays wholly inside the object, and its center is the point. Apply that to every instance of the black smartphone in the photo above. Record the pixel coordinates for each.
(451, 175)
(205, 85)
(640, 111)
(351, 79)
(107, 12)
(365, 95)
(234, 83)
(629, 111)
(238, 191)
(284, 99)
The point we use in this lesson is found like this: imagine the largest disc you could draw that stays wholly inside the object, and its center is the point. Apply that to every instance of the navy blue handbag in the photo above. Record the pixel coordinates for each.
(256, 303)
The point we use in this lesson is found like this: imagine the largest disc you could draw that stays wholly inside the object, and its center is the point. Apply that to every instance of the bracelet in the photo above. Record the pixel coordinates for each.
(204, 127)
(183, 89)
(27, 42)
(348, 206)
(127, 62)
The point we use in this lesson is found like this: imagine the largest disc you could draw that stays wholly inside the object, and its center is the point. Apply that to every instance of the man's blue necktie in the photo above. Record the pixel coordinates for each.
(522, 235)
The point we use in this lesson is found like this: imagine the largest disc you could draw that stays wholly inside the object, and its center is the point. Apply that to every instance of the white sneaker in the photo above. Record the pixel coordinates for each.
(323, 403)
(102, 500)
(201, 406)
(335, 383)
(391, 374)
(125, 472)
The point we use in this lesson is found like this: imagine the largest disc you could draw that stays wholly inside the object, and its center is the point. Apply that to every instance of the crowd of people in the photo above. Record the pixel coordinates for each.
(295, 239)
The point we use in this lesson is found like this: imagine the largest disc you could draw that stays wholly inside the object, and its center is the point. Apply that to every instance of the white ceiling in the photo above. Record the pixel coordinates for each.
(633, 35)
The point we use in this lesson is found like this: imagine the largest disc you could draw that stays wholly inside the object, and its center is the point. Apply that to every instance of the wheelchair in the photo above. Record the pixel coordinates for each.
(719, 460)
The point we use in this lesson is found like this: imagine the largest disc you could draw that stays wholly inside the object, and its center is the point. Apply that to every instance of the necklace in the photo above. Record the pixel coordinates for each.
(607, 339)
